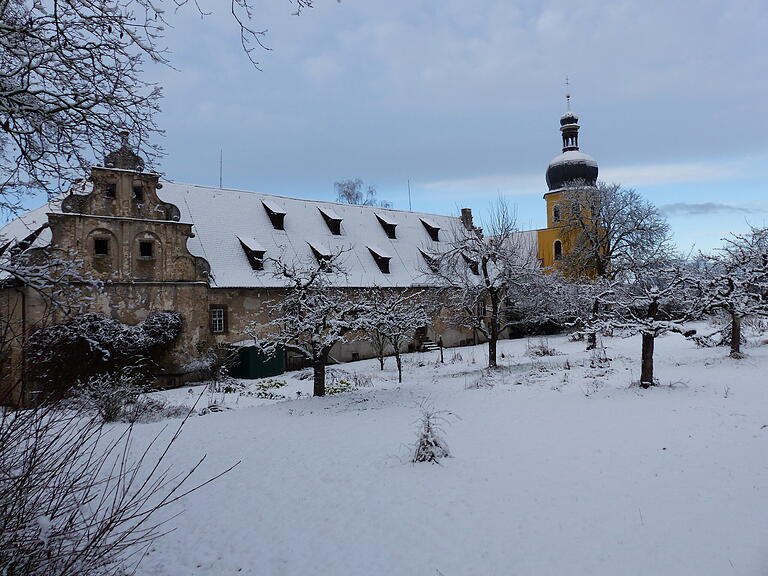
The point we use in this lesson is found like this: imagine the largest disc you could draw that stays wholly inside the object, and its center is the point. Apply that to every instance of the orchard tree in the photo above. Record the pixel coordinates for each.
(393, 316)
(479, 269)
(735, 281)
(353, 191)
(310, 316)
(659, 302)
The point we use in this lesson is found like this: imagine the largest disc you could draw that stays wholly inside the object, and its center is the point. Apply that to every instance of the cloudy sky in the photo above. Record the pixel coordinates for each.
(464, 98)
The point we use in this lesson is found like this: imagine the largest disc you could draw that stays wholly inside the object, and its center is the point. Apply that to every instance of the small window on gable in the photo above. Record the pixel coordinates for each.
(110, 190)
(556, 214)
(332, 219)
(254, 252)
(146, 249)
(431, 261)
(219, 319)
(138, 192)
(381, 258)
(432, 230)
(276, 214)
(101, 246)
(473, 265)
(388, 226)
(558, 250)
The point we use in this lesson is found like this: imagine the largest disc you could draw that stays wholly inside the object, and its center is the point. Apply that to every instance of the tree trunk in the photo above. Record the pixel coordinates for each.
(646, 374)
(381, 361)
(494, 335)
(318, 367)
(399, 366)
(592, 336)
(736, 336)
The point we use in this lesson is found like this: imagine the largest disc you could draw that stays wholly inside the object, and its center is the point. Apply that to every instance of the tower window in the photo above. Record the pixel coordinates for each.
(558, 250)
(138, 193)
(101, 246)
(556, 214)
(146, 249)
(110, 190)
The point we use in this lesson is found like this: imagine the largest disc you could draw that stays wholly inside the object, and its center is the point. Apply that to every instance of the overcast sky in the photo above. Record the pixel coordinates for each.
(464, 98)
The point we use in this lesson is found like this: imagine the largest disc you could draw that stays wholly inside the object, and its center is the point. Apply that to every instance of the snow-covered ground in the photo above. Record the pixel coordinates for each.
(559, 466)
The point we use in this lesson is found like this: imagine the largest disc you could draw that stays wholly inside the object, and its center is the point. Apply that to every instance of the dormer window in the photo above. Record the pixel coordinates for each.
(381, 258)
(146, 249)
(138, 193)
(101, 246)
(431, 261)
(253, 251)
(332, 219)
(276, 214)
(388, 225)
(321, 253)
(432, 229)
(110, 190)
(473, 265)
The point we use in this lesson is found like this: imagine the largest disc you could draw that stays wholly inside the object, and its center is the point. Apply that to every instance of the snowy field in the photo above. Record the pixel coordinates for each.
(559, 466)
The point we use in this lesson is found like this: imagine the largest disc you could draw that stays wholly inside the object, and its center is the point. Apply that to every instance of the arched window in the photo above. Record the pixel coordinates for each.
(558, 250)
(556, 214)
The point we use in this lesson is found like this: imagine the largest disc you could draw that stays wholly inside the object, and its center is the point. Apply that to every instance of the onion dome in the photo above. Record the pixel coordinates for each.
(124, 157)
(572, 165)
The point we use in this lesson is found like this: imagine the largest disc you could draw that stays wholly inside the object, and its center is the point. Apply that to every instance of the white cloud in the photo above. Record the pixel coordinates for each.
(660, 174)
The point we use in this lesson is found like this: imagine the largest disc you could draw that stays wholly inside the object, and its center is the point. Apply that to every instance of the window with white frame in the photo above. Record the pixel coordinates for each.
(218, 319)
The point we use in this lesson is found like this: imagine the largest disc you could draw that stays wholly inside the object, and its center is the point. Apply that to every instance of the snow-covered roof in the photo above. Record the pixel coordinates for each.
(29, 223)
(221, 218)
(573, 157)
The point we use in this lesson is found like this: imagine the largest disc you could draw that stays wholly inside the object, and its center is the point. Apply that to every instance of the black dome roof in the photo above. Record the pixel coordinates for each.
(570, 166)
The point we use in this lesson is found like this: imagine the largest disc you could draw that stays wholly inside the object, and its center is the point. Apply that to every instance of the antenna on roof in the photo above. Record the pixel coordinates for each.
(409, 195)
(221, 167)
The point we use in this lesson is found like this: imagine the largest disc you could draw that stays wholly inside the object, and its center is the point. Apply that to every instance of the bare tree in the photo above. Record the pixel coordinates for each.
(735, 280)
(659, 302)
(351, 192)
(393, 316)
(71, 79)
(310, 316)
(612, 231)
(479, 269)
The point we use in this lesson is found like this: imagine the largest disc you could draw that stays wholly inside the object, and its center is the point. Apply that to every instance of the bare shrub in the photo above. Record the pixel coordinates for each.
(73, 498)
(108, 394)
(540, 348)
(430, 445)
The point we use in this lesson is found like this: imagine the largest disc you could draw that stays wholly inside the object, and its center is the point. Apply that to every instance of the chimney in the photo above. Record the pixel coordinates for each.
(466, 218)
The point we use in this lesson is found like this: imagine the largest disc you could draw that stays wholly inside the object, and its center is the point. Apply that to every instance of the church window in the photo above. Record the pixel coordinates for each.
(388, 226)
(110, 190)
(146, 249)
(219, 319)
(432, 230)
(558, 250)
(138, 193)
(332, 219)
(556, 214)
(276, 214)
(101, 246)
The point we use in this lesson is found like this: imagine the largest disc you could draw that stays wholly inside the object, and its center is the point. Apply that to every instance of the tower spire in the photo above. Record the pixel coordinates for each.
(567, 95)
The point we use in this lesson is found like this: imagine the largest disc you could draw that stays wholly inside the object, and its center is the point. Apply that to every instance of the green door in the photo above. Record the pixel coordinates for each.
(251, 363)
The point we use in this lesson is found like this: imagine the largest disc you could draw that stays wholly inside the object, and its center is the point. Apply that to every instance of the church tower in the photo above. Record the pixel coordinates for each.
(569, 168)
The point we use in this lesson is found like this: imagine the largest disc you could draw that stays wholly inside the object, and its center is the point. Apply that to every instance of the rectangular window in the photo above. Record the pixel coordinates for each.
(146, 249)
(138, 193)
(101, 246)
(218, 319)
(110, 189)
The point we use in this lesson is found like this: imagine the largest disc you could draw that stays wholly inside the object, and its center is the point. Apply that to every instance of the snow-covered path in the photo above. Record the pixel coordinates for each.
(553, 472)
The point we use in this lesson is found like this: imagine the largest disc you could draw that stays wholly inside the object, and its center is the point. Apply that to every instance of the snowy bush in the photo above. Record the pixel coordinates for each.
(100, 344)
(540, 348)
(430, 444)
(109, 394)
